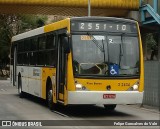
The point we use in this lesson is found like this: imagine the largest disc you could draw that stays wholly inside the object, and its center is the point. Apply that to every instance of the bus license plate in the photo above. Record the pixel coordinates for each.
(109, 96)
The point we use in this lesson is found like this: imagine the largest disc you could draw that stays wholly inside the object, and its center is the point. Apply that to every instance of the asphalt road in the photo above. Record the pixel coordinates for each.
(31, 108)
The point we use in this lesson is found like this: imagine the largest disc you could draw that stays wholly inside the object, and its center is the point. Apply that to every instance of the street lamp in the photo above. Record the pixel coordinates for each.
(89, 8)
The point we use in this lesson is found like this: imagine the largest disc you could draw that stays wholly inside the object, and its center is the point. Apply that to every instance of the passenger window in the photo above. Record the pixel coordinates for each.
(20, 59)
(42, 43)
(34, 44)
(51, 58)
(25, 58)
(27, 45)
(41, 58)
(33, 58)
(50, 44)
(21, 46)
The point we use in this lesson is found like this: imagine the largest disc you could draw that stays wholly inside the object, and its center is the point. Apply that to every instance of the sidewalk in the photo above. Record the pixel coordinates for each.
(151, 108)
(3, 78)
(147, 107)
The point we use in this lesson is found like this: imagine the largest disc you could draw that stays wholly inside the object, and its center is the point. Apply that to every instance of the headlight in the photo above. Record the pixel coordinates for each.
(135, 87)
(78, 86)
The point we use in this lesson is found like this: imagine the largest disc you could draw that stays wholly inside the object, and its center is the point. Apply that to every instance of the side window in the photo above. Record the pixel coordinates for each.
(41, 58)
(27, 45)
(37, 51)
(20, 54)
(50, 42)
(51, 58)
(25, 58)
(33, 58)
(20, 59)
(21, 46)
(34, 44)
(42, 43)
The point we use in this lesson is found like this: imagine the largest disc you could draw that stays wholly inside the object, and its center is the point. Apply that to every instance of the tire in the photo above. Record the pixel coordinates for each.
(50, 103)
(20, 92)
(110, 107)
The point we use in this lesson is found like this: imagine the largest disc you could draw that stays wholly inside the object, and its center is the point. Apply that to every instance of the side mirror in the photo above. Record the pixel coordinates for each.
(66, 44)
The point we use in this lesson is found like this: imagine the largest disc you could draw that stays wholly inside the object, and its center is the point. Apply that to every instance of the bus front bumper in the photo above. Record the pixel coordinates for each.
(105, 97)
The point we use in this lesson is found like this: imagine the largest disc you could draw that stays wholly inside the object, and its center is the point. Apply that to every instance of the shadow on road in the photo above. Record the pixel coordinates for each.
(33, 99)
(89, 111)
(78, 110)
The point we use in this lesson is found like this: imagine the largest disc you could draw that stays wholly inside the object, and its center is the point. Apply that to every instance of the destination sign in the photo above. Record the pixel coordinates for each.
(103, 26)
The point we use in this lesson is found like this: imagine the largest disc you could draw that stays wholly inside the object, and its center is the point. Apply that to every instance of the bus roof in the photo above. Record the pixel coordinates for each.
(44, 29)
(104, 18)
(63, 24)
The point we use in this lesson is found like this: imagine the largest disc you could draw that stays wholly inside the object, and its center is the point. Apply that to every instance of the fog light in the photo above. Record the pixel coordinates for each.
(135, 87)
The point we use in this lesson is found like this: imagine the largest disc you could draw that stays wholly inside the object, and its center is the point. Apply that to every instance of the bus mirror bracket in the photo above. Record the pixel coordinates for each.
(66, 44)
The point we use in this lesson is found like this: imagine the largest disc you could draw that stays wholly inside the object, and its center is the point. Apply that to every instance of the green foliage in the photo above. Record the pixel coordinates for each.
(151, 42)
(29, 22)
(12, 25)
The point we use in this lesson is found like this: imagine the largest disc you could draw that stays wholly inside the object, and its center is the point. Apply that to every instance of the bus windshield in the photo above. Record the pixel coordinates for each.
(105, 55)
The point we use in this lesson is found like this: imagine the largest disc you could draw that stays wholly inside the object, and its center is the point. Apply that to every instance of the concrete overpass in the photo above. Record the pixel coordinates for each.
(117, 8)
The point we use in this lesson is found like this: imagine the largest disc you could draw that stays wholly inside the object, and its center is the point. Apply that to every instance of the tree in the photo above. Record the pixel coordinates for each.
(29, 22)
(152, 44)
(12, 25)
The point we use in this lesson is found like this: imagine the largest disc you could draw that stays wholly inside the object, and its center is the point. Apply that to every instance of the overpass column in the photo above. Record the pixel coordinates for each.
(159, 65)
(159, 46)
(155, 5)
(89, 8)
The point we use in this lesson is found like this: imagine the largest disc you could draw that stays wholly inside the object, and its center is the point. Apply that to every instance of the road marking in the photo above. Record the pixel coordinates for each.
(60, 114)
(3, 90)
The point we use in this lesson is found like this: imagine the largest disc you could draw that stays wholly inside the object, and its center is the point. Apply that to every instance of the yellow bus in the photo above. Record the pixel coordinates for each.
(80, 60)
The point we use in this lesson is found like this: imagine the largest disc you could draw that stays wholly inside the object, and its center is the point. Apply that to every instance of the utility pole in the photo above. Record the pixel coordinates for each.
(89, 8)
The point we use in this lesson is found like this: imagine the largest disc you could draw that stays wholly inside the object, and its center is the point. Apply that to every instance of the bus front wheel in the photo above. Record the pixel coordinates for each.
(110, 107)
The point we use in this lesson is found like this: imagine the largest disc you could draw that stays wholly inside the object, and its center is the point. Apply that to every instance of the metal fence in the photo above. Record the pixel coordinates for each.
(152, 83)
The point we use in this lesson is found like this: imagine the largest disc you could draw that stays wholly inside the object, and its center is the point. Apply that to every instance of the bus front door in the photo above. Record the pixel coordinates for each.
(61, 71)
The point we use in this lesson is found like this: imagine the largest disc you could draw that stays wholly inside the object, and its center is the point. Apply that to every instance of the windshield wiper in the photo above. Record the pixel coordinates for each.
(121, 49)
(101, 48)
(107, 47)
(96, 42)
(104, 51)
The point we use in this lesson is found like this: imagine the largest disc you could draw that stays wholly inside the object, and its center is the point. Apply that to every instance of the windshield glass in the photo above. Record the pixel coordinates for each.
(105, 55)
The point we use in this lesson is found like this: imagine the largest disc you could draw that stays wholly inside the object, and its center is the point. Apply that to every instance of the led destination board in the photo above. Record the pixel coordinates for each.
(102, 26)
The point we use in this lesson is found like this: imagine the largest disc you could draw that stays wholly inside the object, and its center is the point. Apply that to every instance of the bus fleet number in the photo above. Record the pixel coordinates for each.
(123, 84)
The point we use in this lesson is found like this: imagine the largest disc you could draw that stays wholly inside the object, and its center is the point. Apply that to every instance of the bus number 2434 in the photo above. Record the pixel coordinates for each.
(124, 84)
